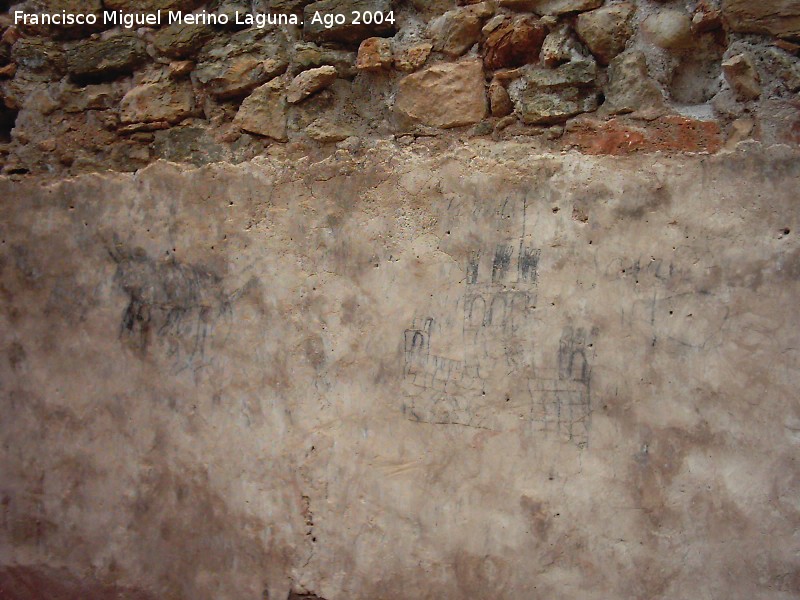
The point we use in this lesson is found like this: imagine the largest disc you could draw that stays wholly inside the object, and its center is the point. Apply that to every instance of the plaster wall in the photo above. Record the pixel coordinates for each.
(404, 374)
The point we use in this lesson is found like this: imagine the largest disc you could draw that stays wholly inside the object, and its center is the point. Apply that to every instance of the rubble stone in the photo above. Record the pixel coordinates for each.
(444, 95)
(181, 40)
(157, 98)
(234, 65)
(499, 100)
(374, 54)
(264, 111)
(546, 96)
(39, 55)
(308, 55)
(668, 28)
(630, 88)
(514, 43)
(769, 17)
(740, 73)
(606, 30)
(309, 82)
(102, 58)
(456, 31)
(412, 57)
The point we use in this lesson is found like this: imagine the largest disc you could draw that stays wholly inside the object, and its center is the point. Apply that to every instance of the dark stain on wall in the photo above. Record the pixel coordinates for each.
(168, 299)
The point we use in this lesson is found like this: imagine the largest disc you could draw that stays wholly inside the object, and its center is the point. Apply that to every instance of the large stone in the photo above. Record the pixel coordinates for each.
(630, 88)
(412, 56)
(706, 18)
(514, 43)
(39, 55)
(239, 75)
(326, 131)
(443, 95)
(309, 82)
(232, 66)
(549, 106)
(181, 40)
(769, 17)
(668, 28)
(349, 32)
(606, 31)
(578, 73)
(560, 46)
(374, 54)
(264, 111)
(308, 55)
(157, 98)
(248, 41)
(741, 74)
(546, 96)
(551, 7)
(103, 58)
(456, 31)
(499, 101)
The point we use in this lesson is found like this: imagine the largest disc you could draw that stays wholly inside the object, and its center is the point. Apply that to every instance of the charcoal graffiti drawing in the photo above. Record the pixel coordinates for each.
(499, 372)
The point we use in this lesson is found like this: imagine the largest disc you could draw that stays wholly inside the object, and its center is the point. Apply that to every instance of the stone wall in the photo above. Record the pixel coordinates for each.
(408, 373)
(604, 78)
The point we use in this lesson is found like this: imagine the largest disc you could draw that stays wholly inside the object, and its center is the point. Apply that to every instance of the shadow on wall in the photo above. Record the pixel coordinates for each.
(7, 119)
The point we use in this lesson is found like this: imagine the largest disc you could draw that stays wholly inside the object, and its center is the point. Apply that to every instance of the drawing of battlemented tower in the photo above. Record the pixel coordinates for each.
(487, 374)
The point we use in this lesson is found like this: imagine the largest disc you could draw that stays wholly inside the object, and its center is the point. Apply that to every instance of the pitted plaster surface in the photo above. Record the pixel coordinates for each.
(478, 374)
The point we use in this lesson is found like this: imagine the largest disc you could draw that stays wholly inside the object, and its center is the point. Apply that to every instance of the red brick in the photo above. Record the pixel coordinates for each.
(622, 135)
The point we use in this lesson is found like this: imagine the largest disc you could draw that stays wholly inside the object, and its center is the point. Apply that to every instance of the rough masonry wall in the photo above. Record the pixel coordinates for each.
(602, 77)
(403, 374)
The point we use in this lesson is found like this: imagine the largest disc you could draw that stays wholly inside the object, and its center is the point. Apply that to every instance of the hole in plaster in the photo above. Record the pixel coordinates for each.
(696, 78)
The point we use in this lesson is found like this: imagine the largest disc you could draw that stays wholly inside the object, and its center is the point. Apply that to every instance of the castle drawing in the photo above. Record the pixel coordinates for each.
(488, 375)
